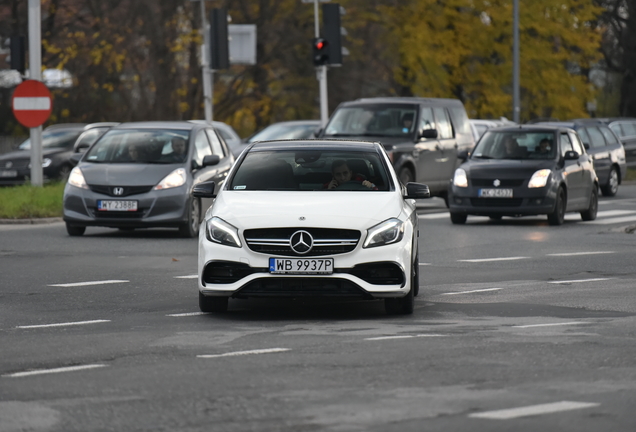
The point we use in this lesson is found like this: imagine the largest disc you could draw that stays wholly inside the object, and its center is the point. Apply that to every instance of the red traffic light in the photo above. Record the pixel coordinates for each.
(320, 44)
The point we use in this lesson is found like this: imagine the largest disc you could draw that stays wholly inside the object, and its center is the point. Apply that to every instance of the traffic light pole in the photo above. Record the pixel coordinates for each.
(321, 75)
(35, 73)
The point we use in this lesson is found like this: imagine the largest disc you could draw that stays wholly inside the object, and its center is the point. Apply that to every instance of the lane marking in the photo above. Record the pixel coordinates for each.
(493, 259)
(433, 216)
(77, 284)
(550, 325)
(241, 353)
(611, 220)
(578, 280)
(56, 370)
(402, 337)
(507, 414)
(63, 324)
(425, 264)
(472, 291)
(580, 253)
(614, 201)
(187, 277)
(187, 314)
(614, 213)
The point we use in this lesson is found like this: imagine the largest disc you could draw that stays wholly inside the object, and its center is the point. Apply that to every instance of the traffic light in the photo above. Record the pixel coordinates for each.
(332, 31)
(17, 53)
(219, 49)
(320, 51)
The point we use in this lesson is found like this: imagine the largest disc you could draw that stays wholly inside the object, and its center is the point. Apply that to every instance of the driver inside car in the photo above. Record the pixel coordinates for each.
(343, 174)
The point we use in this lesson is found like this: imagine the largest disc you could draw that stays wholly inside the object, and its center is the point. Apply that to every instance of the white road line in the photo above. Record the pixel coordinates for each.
(493, 259)
(578, 280)
(63, 324)
(77, 284)
(614, 201)
(472, 291)
(612, 220)
(402, 337)
(56, 370)
(241, 353)
(187, 277)
(187, 314)
(433, 216)
(608, 213)
(580, 253)
(551, 325)
(507, 414)
(425, 264)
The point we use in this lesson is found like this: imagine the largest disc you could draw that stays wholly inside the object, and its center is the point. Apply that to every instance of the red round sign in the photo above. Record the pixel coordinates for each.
(31, 103)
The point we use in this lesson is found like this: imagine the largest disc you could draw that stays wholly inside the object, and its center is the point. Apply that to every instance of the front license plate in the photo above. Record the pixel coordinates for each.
(495, 193)
(7, 173)
(301, 265)
(111, 205)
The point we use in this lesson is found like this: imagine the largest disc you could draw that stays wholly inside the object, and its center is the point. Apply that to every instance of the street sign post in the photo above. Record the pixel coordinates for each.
(31, 103)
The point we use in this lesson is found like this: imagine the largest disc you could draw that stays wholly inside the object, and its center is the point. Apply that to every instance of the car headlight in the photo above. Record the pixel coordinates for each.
(76, 178)
(46, 162)
(460, 179)
(539, 179)
(175, 179)
(384, 233)
(219, 231)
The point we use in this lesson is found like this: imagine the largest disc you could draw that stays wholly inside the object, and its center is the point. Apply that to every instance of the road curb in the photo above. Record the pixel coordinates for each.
(31, 221)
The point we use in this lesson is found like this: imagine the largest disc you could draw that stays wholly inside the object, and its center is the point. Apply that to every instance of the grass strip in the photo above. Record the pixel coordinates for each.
(27, 201)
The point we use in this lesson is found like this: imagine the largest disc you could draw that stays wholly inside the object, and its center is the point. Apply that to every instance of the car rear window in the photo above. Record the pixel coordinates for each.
(308, 170)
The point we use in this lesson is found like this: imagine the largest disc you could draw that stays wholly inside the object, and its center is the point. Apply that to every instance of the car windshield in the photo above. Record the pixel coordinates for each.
(515, 145)
(55, 139)
(373, 120)
(144, 146)
(311, 170)
(284, 131)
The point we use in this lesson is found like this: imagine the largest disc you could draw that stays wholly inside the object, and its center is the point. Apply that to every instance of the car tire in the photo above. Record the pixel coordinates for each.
(592, 210)
(400, 306)
(190, 229)
(75, 230)
(212, 304)
(405, 175)
(458, 218)
(611, 188)
(415, 278)
(558, 214)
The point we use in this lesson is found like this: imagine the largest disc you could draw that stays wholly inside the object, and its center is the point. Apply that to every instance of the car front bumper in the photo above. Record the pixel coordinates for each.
(524, 201)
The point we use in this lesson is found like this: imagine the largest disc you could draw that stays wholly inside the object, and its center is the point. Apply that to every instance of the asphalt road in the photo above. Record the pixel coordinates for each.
(519, 326)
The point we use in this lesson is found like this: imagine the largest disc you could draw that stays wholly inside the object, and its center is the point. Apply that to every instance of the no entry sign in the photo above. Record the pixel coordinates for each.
(31, 103)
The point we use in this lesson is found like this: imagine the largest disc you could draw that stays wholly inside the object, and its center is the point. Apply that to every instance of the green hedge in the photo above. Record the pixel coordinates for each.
(23, 202)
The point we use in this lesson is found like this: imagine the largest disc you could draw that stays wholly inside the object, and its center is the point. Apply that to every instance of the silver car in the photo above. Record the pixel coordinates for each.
(141, 175)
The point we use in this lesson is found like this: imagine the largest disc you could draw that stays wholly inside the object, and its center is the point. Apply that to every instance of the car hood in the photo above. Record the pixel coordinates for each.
(330, 209)
(26, 154)
(506, 168)
(124, 174)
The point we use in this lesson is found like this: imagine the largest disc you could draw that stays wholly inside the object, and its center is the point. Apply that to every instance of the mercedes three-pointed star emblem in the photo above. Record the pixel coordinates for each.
(301, 242)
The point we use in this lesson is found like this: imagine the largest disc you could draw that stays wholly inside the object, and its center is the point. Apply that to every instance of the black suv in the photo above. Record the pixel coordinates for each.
(604, 147)
(422, 136)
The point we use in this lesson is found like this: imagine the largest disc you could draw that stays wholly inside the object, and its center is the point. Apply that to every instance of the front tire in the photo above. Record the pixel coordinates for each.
(415, 278)
(212, 304)
(611, 187)
(458, 218)
(75, 230)
(558, 214)
(190, 229)
(592, 210)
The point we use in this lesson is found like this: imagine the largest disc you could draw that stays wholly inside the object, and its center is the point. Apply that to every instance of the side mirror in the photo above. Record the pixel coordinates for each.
(463, 155)
(75, 158)
(317, 132)
(81, 148)
(417, 191)
(204, 190)
(571, 155)
(211, 160)
(586, 146)
(428, 133)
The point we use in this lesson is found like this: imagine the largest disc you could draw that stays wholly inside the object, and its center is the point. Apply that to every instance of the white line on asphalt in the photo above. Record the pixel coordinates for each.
(56, 370)
(63, 324)
(580, 253)
(77, 284)
(551, 325)
(187, 314)
(494, 259)
(612, 220)
(402, 337)
(433, 215)
(425, 264)
(472, 291)
(187, 277)
(578, 280)
(240, 353)
(532, 410)
(615, 201)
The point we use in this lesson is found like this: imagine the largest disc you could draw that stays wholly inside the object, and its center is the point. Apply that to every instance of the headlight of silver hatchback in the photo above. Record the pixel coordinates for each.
(219, 231)
(387, 232)
(175, 179)
(76, 178)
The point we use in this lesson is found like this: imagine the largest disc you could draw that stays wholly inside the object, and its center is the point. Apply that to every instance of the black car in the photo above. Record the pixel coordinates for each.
(421, 135)
(141, 175)
(525, 170)
(59, 142)
(603, 145)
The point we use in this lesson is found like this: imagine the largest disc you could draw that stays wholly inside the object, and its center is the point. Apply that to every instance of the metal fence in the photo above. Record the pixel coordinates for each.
(8, 143)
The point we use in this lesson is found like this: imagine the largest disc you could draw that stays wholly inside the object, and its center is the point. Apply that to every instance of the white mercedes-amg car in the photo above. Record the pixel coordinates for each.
(310, 218)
